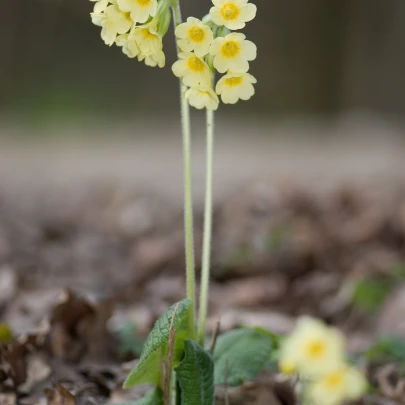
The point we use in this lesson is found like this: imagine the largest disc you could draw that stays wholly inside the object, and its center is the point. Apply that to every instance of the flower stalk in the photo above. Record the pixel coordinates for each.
(188, 198)
(207, 235)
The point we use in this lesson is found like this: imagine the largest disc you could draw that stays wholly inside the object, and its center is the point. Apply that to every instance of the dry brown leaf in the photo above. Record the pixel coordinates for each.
(12, 366)
(38, 369)
(8, 398)
(59, 395)
(78, 329)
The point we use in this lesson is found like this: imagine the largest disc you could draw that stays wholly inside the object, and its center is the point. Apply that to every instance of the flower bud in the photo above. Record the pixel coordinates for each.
(222, 32)
(209, 60)
(163, 18)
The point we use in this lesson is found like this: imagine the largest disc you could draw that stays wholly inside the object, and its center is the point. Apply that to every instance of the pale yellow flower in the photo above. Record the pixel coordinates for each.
(156, 59)
(140, 10)
(192, 69)
(233, 53)
(287, 366)
(97, 19)
(113, 21)
(129, 47)
(235, 86)
(234, 14)
(194, 35)
(101, 5)
(313, 348)
(345, 383)
(146, 43)
(202, 97)
(147, 38)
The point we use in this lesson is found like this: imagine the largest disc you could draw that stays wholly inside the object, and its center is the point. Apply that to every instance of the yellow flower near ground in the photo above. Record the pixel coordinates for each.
(202, 97)
(235, 86)
(140, 10)
(345, 383)
(313, 348)
(113, 22)
(234, 14)
(194, 35)
(287, 367)
(233, 53)
(192, 69)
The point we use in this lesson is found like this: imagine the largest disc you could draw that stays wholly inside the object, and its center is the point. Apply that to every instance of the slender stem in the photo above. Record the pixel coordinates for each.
(205, 272)
(188, 199)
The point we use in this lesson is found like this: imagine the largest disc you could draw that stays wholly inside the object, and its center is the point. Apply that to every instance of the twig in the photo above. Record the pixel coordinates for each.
(214, 337)
(169, 360)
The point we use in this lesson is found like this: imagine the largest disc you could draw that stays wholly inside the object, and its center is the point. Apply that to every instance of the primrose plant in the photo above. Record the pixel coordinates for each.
(174, 358)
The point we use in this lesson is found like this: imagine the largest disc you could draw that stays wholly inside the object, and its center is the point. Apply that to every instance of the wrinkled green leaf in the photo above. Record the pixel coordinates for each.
(195, 375)
(240, 355)
(148, 370)
(152, 397)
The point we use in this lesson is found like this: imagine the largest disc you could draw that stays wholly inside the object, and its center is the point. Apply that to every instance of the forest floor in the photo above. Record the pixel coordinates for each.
(91, 248)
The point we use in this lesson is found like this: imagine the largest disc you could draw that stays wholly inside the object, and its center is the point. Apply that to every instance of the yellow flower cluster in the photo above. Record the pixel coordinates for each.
(137, 26)
(316, 353)
(210, 46)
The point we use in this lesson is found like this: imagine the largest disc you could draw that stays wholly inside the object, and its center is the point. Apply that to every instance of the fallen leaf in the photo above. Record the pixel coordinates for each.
(59, 395)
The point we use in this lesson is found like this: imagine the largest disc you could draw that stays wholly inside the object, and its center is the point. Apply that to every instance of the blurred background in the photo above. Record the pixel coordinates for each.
(309, 210)
(315, 57)
(309, 174)
(309, 213)
(326, 71)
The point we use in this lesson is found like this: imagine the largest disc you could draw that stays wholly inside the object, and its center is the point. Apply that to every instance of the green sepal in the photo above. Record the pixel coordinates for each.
(163, 17)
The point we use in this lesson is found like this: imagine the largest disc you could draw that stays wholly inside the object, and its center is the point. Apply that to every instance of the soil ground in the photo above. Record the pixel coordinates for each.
(302, 213)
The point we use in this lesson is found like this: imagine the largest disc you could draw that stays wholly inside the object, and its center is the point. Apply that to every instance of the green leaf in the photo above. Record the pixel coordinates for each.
(387, 349)
(275, 339)
(369, 294)
(152, 397)
(195, 375)
(6, 334)
(148, 370)
(240, 355)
